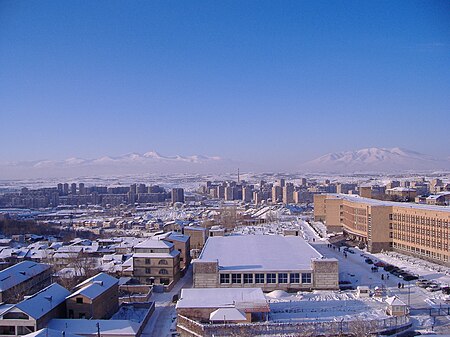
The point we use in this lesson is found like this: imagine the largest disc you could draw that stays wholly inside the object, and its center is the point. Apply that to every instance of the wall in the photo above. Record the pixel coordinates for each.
(325, 274)
(206, 274)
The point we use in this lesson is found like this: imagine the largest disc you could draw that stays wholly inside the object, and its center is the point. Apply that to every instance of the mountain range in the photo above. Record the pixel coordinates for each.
(132, 163)
(375, 160)
(383, 160)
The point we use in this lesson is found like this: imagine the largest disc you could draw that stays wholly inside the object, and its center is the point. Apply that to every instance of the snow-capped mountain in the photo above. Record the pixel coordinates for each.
(129, 163)
(375, 160)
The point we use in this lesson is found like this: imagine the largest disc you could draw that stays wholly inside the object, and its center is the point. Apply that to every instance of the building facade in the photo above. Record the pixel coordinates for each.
(95, 298)
(419, 230)
(242, 262)
(22, 279)
(156, 262)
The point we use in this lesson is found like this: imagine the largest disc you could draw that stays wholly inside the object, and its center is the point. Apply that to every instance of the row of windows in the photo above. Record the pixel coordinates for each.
(416, 219)
(162, 262)
(422, 241)
(420, 230)
(259, 278)
(421, 251)
(160, 272)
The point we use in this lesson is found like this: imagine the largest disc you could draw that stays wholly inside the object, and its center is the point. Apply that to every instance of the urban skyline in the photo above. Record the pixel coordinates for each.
(237, 168)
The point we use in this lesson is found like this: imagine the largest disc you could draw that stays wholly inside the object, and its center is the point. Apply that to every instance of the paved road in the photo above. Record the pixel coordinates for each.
(163, 319)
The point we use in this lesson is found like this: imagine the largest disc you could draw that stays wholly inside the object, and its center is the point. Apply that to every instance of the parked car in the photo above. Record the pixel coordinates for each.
(446, 290)
(434, 287)
(423, 283)
(410, 277)
(345, 282)
(380, 264)
(368, 261)
(388, 267)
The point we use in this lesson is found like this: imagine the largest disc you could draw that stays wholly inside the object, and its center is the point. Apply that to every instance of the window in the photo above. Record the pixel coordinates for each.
(148, 270)
(148, 261)
(25, 330)
(271, 278)
(248, 278)
(259, 278)
(162, 262)
(295, 278)
(306, 277)
(282, 278)
(16, 315)
(79, 299)
(236, 278)
(224, 278)
(163, 272)
(7, 330)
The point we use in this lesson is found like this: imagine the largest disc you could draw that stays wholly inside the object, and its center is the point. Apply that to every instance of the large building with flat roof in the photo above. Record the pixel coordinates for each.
(266, 261)
(419, 230)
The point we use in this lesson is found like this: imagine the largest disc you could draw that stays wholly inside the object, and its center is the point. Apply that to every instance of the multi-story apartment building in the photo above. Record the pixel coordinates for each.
(198, 236)
(156, 262)
(182, 243)
(277, 194)
(420, 230)
(177, 195)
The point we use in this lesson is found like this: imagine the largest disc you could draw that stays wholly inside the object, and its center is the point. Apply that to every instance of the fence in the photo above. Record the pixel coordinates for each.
(188, 327)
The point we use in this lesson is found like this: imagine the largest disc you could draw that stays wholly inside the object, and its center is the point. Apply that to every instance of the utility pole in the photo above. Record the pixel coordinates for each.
(409, 295)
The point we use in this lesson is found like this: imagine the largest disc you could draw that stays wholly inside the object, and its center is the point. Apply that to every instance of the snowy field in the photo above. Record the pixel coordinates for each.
(322, 306)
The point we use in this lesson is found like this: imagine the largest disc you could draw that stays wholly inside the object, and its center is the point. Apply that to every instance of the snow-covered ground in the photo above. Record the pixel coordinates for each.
(354, 269)
(323, 306)
(130, 313)
(163, 321)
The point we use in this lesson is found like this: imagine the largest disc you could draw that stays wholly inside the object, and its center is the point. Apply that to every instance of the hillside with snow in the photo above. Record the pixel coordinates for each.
(132, 163)
(375, 160)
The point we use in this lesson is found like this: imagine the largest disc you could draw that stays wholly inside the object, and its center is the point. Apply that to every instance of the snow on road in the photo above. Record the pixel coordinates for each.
(163, 319)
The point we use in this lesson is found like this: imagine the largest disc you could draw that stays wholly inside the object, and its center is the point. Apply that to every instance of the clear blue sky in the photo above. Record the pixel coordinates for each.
(255, 80)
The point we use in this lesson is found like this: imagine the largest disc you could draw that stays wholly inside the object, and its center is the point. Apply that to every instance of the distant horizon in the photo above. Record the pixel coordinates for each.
(257, 82)
(370, 160)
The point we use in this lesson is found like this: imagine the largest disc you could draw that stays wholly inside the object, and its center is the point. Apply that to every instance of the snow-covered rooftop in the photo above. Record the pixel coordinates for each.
(221, 297)
(88, 327)
(49, 333)
(259, 253)
(394, 300)
(43, 301)
(178, 237)
(95, 286)
(375, 202)
(153, 243)
(227, 314)
(173, 253)
(19, 273)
